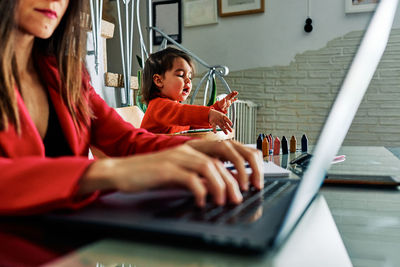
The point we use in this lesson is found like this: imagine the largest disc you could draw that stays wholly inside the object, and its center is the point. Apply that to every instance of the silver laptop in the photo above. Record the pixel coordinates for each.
(266, 218)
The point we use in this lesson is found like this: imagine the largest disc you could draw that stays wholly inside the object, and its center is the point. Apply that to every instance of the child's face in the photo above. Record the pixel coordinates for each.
(176, 83)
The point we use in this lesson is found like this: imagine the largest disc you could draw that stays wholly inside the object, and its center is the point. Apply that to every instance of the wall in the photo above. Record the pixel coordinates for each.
(271, 38)
(274, 37)
(294, 76)
(296, 98)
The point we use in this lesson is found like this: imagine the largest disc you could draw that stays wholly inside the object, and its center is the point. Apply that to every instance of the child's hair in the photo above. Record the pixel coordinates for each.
(159, 63)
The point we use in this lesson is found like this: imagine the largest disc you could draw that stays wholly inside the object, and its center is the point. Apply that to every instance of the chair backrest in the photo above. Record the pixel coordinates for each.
(131, 114)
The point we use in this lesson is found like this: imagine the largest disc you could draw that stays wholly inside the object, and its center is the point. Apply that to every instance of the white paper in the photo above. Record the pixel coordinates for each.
(270, 169)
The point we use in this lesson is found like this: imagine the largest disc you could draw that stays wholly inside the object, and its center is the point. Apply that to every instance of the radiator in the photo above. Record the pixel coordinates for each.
(244, 121)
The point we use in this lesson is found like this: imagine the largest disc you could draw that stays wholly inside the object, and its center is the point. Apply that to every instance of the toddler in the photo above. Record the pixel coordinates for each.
(167, 81)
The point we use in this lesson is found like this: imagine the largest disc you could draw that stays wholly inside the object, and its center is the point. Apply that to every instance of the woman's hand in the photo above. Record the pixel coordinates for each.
(184, 165)
(238, 154)
(227, 101)
(216, 118)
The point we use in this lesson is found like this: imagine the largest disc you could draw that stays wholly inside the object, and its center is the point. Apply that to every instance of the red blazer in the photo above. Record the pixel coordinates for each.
(32, 183)
(164, 115)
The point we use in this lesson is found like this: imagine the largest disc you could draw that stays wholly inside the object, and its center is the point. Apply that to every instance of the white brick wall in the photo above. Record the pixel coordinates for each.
(295, 99)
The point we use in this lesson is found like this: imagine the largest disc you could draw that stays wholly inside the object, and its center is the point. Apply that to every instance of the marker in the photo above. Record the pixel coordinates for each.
(284, 145)
(259, 141)
(304, 143)
(265, 147)
(271, 144)
(338, 159)
(277, 146)
(293, 144)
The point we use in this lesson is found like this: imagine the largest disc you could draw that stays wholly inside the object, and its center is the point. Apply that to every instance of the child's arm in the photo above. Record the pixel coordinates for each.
(165, 112)
(216, 118)
(225, 103)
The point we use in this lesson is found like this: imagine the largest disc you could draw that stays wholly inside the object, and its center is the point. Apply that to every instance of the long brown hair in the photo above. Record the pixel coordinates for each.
(8, 101)
(67, 45)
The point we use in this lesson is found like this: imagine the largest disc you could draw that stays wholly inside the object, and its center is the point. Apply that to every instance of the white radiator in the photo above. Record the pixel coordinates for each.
(244, 121)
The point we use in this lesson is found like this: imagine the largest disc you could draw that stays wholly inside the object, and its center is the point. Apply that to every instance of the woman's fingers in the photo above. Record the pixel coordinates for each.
(203, 165)
(233, 191)
(188, 166)
(238, 154)
(231, 154)
(254, 158)
(225, 151)
(191, 181)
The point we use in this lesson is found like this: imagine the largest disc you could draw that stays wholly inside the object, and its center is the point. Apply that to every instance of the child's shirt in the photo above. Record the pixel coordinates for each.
(164, 115)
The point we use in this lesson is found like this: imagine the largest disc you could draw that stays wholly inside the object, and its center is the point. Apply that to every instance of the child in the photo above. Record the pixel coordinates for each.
(167, 81)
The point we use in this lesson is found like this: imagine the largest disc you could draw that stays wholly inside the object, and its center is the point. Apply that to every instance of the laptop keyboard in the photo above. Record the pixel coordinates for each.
(249, 210)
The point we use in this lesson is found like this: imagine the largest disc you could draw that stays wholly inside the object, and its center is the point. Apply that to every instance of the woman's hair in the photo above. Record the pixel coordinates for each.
(159, 63)
(67, 45)
(8, 101)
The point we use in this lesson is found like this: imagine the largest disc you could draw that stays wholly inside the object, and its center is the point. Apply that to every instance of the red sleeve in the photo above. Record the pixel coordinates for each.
(36, 184)
(31, 183)
(164, 111)
(115, 137)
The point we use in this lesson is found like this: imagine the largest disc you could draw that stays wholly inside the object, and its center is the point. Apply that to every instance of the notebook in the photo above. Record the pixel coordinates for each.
(266, 218)
(365, 167)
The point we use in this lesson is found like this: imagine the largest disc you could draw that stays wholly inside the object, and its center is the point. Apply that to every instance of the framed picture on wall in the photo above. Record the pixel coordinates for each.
(167, 18)
(356, 6)
(199, 12)
(239, 7)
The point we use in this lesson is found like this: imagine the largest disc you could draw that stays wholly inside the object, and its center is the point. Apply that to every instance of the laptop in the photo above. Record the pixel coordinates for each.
(266, 218)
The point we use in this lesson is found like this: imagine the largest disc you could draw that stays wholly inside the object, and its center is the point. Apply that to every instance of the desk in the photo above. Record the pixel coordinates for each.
(368, 220)
(369, 224)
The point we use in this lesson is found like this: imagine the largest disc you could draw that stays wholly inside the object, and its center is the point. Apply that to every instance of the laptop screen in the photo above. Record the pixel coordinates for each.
(342, 112)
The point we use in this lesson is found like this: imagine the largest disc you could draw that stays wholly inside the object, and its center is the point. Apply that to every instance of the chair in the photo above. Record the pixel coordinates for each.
(131, 114)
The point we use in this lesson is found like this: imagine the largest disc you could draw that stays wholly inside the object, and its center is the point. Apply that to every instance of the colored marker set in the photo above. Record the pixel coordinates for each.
(272, 146)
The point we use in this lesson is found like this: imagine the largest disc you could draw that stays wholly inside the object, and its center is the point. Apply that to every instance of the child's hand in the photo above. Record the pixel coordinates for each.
(217, 118)
(225, 103)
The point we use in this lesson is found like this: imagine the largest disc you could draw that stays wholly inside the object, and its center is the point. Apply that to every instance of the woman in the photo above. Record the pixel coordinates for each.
(50, 115)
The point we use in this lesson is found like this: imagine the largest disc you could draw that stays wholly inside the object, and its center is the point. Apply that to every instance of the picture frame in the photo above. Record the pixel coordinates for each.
(167, 18)
(199, 12)
(228, 8)
(357, 6)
